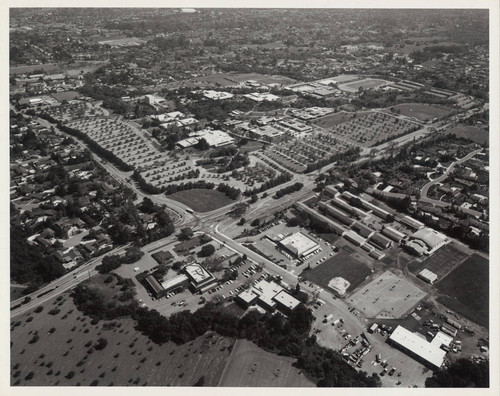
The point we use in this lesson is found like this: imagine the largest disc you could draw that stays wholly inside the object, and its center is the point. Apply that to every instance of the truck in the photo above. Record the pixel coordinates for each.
(378, 357)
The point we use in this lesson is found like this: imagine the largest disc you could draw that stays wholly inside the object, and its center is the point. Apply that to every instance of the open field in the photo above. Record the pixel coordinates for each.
(67, 356)
(387, 296)
(441, 262)
(74, 69)
(202, 200)
(478, 135)
(466, 289)
(251, 366)
(263, 78)
(365, 84)
(421, 111)
(342, 265)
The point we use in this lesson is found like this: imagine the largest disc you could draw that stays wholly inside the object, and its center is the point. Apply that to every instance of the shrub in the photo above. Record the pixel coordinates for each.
(39, 309)
(101, 344)
(29, 376)
(70, 375)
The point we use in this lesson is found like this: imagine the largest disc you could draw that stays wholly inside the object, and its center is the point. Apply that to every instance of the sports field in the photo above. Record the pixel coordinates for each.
(475, 134)
(466, 289)
(365, 84)
(421, 111)
(201, 199)
(441, 262)
(251, 366)
(342, 265)
(387, 296)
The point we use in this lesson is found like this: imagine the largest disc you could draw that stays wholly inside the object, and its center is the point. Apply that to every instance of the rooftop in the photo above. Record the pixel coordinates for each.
(299, 243)
(197, 273)
(419, 346)
(286, 300)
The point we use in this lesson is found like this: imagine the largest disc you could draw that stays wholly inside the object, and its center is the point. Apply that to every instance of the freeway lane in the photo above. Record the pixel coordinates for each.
(60, 285)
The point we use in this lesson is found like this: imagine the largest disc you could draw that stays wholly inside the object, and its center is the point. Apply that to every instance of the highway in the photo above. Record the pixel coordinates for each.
(60, 285)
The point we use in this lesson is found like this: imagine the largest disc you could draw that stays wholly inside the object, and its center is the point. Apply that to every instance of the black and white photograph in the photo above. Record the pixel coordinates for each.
(264, 197)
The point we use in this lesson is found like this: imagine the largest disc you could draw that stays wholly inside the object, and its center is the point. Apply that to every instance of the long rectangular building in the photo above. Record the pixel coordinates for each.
(419, 348)
(337, 214)
(339, 229)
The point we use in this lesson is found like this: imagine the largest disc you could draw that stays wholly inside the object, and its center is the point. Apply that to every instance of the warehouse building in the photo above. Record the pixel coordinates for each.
(353, 237)
(153, 284)
(417, 347)
(299, 244)
(381, 241)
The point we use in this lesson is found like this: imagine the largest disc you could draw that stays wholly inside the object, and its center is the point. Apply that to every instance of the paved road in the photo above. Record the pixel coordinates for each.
(60, 285)
(425, 189)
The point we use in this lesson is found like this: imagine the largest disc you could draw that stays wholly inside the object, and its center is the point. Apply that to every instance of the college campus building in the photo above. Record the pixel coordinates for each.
(200, 279)
(426, 241)
(299, 245)
(418, 347)
(268, 295)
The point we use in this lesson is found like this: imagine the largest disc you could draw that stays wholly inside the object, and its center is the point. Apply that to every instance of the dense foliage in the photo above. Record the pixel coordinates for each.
(461, 374)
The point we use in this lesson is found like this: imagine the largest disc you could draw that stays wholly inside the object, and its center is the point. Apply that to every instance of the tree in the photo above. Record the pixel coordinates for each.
(185, 234)
(207, 250)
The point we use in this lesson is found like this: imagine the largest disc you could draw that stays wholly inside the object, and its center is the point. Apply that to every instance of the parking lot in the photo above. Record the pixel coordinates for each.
(388, 295)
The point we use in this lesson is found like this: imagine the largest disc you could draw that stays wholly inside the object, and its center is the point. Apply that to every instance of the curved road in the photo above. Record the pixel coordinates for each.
(425, 189)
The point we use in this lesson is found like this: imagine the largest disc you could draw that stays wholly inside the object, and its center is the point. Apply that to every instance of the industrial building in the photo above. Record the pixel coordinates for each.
(332, 224)
(214, 138)
(299, 244)
(337, 214)
(417, 347)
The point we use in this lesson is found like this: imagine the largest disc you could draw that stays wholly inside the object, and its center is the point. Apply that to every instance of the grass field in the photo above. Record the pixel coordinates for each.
(201, 199)
(475, 134)
(342, 265)
(387, 296)
(67, 356)
(466, 291)
(251, 366)
(421, 111)
(441, 263)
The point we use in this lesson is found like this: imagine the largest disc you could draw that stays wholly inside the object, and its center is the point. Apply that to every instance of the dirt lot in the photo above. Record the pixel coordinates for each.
(441, 263)
(342, 265)
(202, 200)
(387, 296)
(67, 356)
(478, 135)
(251, 366)
(421, 111)
(467, 290)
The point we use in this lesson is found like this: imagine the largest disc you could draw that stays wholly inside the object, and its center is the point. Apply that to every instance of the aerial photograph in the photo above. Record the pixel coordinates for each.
(249, 197)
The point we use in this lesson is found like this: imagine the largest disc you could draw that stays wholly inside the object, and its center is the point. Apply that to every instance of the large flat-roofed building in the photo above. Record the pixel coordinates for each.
(214, 138)
(269, 295)
(285, 301)
(417, 347)
(217, 95)
(299, 244)
(247, 298)
(199, 277)
(354, 237)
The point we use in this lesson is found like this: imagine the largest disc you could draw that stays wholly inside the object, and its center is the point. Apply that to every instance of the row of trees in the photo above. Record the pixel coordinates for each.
(288, 190)
(280, 179)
